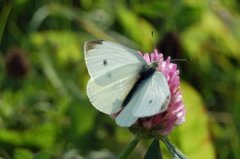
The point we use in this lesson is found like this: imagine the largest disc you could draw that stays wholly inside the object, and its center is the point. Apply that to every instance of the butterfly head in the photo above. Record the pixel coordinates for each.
(154, 65)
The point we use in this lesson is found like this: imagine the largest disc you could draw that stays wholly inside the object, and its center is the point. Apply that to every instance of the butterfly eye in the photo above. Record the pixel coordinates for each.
(104, 62)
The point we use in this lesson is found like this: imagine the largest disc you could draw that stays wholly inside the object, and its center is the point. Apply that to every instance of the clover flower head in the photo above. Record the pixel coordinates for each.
(161, 124)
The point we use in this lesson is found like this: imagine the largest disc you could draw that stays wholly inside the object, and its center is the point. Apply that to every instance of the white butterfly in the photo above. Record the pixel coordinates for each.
(122, 80)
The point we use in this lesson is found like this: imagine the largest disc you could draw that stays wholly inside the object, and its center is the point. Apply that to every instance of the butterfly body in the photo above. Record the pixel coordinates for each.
(122, 82)
(145, 73)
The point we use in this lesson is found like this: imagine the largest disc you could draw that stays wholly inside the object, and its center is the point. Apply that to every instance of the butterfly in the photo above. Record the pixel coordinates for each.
(123, 83)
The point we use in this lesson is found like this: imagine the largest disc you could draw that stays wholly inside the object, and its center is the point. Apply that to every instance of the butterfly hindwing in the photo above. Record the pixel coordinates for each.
(109, 98)
(151, 97)
(125, 118)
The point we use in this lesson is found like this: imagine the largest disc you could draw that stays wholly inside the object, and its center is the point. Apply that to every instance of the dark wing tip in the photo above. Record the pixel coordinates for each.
(91, 44)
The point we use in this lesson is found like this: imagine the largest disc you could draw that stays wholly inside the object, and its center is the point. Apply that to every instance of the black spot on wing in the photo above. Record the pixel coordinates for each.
(91, 44)
(105, 62)
(150, 101)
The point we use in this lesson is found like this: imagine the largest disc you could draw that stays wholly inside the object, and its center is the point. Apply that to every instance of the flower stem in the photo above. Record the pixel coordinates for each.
(130, 147)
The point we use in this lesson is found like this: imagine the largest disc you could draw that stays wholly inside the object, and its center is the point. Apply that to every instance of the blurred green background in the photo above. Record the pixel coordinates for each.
(44, 110)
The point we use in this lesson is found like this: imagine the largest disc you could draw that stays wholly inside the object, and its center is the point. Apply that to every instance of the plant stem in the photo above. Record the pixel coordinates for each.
(130, 147)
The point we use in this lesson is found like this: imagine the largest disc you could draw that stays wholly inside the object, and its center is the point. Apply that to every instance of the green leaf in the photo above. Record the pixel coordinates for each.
(22, 153)
(5, 10)
(66, 45)
(175, 152)
(154, 151)
(136, 28)
(194, 136)
(42, 155)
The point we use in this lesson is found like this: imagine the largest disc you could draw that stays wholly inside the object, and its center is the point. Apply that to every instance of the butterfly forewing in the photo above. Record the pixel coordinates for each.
(105, 58)
(114, 69)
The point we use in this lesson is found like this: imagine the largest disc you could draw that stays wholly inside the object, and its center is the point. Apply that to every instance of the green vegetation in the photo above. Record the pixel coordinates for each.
(44, 110)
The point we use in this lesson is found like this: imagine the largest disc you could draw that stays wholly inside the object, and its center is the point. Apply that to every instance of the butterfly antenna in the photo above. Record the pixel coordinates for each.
(181, 60)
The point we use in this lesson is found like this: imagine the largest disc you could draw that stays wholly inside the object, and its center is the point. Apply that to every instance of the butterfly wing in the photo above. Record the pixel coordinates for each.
(114, 69)
(154, 96)
(104, 58)
(151, 98)
(125, 118)
(109, 98)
